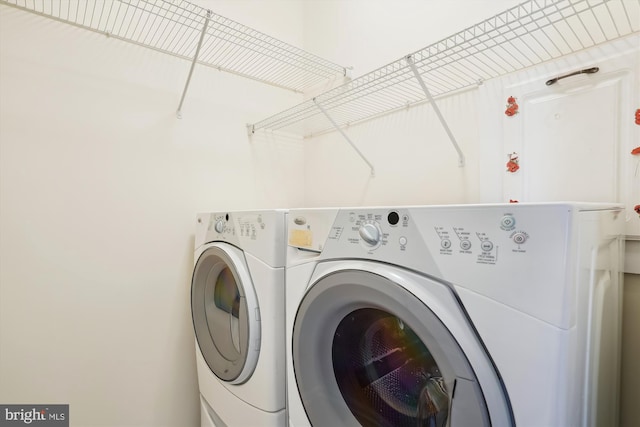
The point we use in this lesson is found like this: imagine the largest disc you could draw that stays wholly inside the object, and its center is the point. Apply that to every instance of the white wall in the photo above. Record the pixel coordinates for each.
(99, 187)
(367, 34)
(414, 161)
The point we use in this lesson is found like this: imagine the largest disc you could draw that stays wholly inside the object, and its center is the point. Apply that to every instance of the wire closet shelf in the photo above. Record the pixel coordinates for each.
(531, 33)
(175, 27)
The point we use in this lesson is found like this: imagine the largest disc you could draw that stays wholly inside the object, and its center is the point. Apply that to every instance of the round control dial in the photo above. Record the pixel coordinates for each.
(370, 233)
(219, 227)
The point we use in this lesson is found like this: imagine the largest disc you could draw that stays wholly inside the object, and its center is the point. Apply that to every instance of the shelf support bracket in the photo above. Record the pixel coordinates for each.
(345, 136)
(413, 67)
(193, 63)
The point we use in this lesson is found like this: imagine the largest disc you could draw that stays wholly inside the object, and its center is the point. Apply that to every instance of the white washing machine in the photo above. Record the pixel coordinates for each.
(474, 315)
(237, 305)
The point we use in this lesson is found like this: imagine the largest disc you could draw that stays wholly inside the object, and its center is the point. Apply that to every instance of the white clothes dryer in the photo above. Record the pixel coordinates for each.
(469, 315)
(237, 305)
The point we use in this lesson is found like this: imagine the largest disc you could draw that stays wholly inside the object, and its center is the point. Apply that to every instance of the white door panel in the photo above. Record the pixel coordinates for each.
(574, 138)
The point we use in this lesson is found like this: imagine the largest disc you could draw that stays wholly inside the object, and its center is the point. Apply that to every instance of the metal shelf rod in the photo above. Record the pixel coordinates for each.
(339, 129)
(435, 107)
(193, 63)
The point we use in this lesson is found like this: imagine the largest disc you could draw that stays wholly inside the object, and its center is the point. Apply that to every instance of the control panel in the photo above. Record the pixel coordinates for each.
(482, 235)
(222, 226)
(372, 230)
(260, 233)
(480, 238)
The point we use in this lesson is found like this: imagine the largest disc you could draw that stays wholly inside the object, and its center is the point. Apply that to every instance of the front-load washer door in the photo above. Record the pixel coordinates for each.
(225, 313)
(368, 350)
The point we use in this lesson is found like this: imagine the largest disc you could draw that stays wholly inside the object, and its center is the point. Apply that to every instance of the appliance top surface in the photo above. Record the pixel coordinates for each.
(574, 205)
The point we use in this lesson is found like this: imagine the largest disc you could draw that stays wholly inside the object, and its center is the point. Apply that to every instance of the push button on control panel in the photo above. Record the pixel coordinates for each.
(486, 245)
(465, 245)
(507, 222)
(445, 243)
(519, 238)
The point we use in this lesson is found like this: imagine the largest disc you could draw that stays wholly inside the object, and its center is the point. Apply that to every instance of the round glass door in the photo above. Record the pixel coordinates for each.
(223, 307)
(368, 352)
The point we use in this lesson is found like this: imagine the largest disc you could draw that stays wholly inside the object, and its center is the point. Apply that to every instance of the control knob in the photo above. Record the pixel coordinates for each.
(219, 227)
(370, 233)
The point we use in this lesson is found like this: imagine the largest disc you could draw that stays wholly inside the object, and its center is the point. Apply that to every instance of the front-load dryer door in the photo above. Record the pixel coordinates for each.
(225, 313)
(374, 345)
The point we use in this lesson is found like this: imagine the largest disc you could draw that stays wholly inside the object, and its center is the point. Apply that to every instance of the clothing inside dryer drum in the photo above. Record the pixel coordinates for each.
(227, 298)
(386, 374)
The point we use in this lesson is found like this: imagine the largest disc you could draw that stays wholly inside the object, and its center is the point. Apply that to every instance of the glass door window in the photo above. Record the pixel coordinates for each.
(384, 370)
(368, 352)
(222, 305)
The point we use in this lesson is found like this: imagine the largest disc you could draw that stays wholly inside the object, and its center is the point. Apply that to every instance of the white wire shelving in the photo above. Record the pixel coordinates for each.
(188, 31)
(531, 33)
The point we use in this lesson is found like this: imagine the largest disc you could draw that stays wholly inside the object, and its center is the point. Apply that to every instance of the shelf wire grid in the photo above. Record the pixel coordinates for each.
(175, 26)
(531, 33)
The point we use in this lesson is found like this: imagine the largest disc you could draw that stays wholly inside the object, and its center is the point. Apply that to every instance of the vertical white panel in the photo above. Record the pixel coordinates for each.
(570, 140)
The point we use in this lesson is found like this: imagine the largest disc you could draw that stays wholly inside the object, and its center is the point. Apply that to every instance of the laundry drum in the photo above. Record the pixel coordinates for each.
(384, 370)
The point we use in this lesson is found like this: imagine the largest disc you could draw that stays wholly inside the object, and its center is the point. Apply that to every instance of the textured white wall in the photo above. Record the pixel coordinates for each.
(99, 187)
